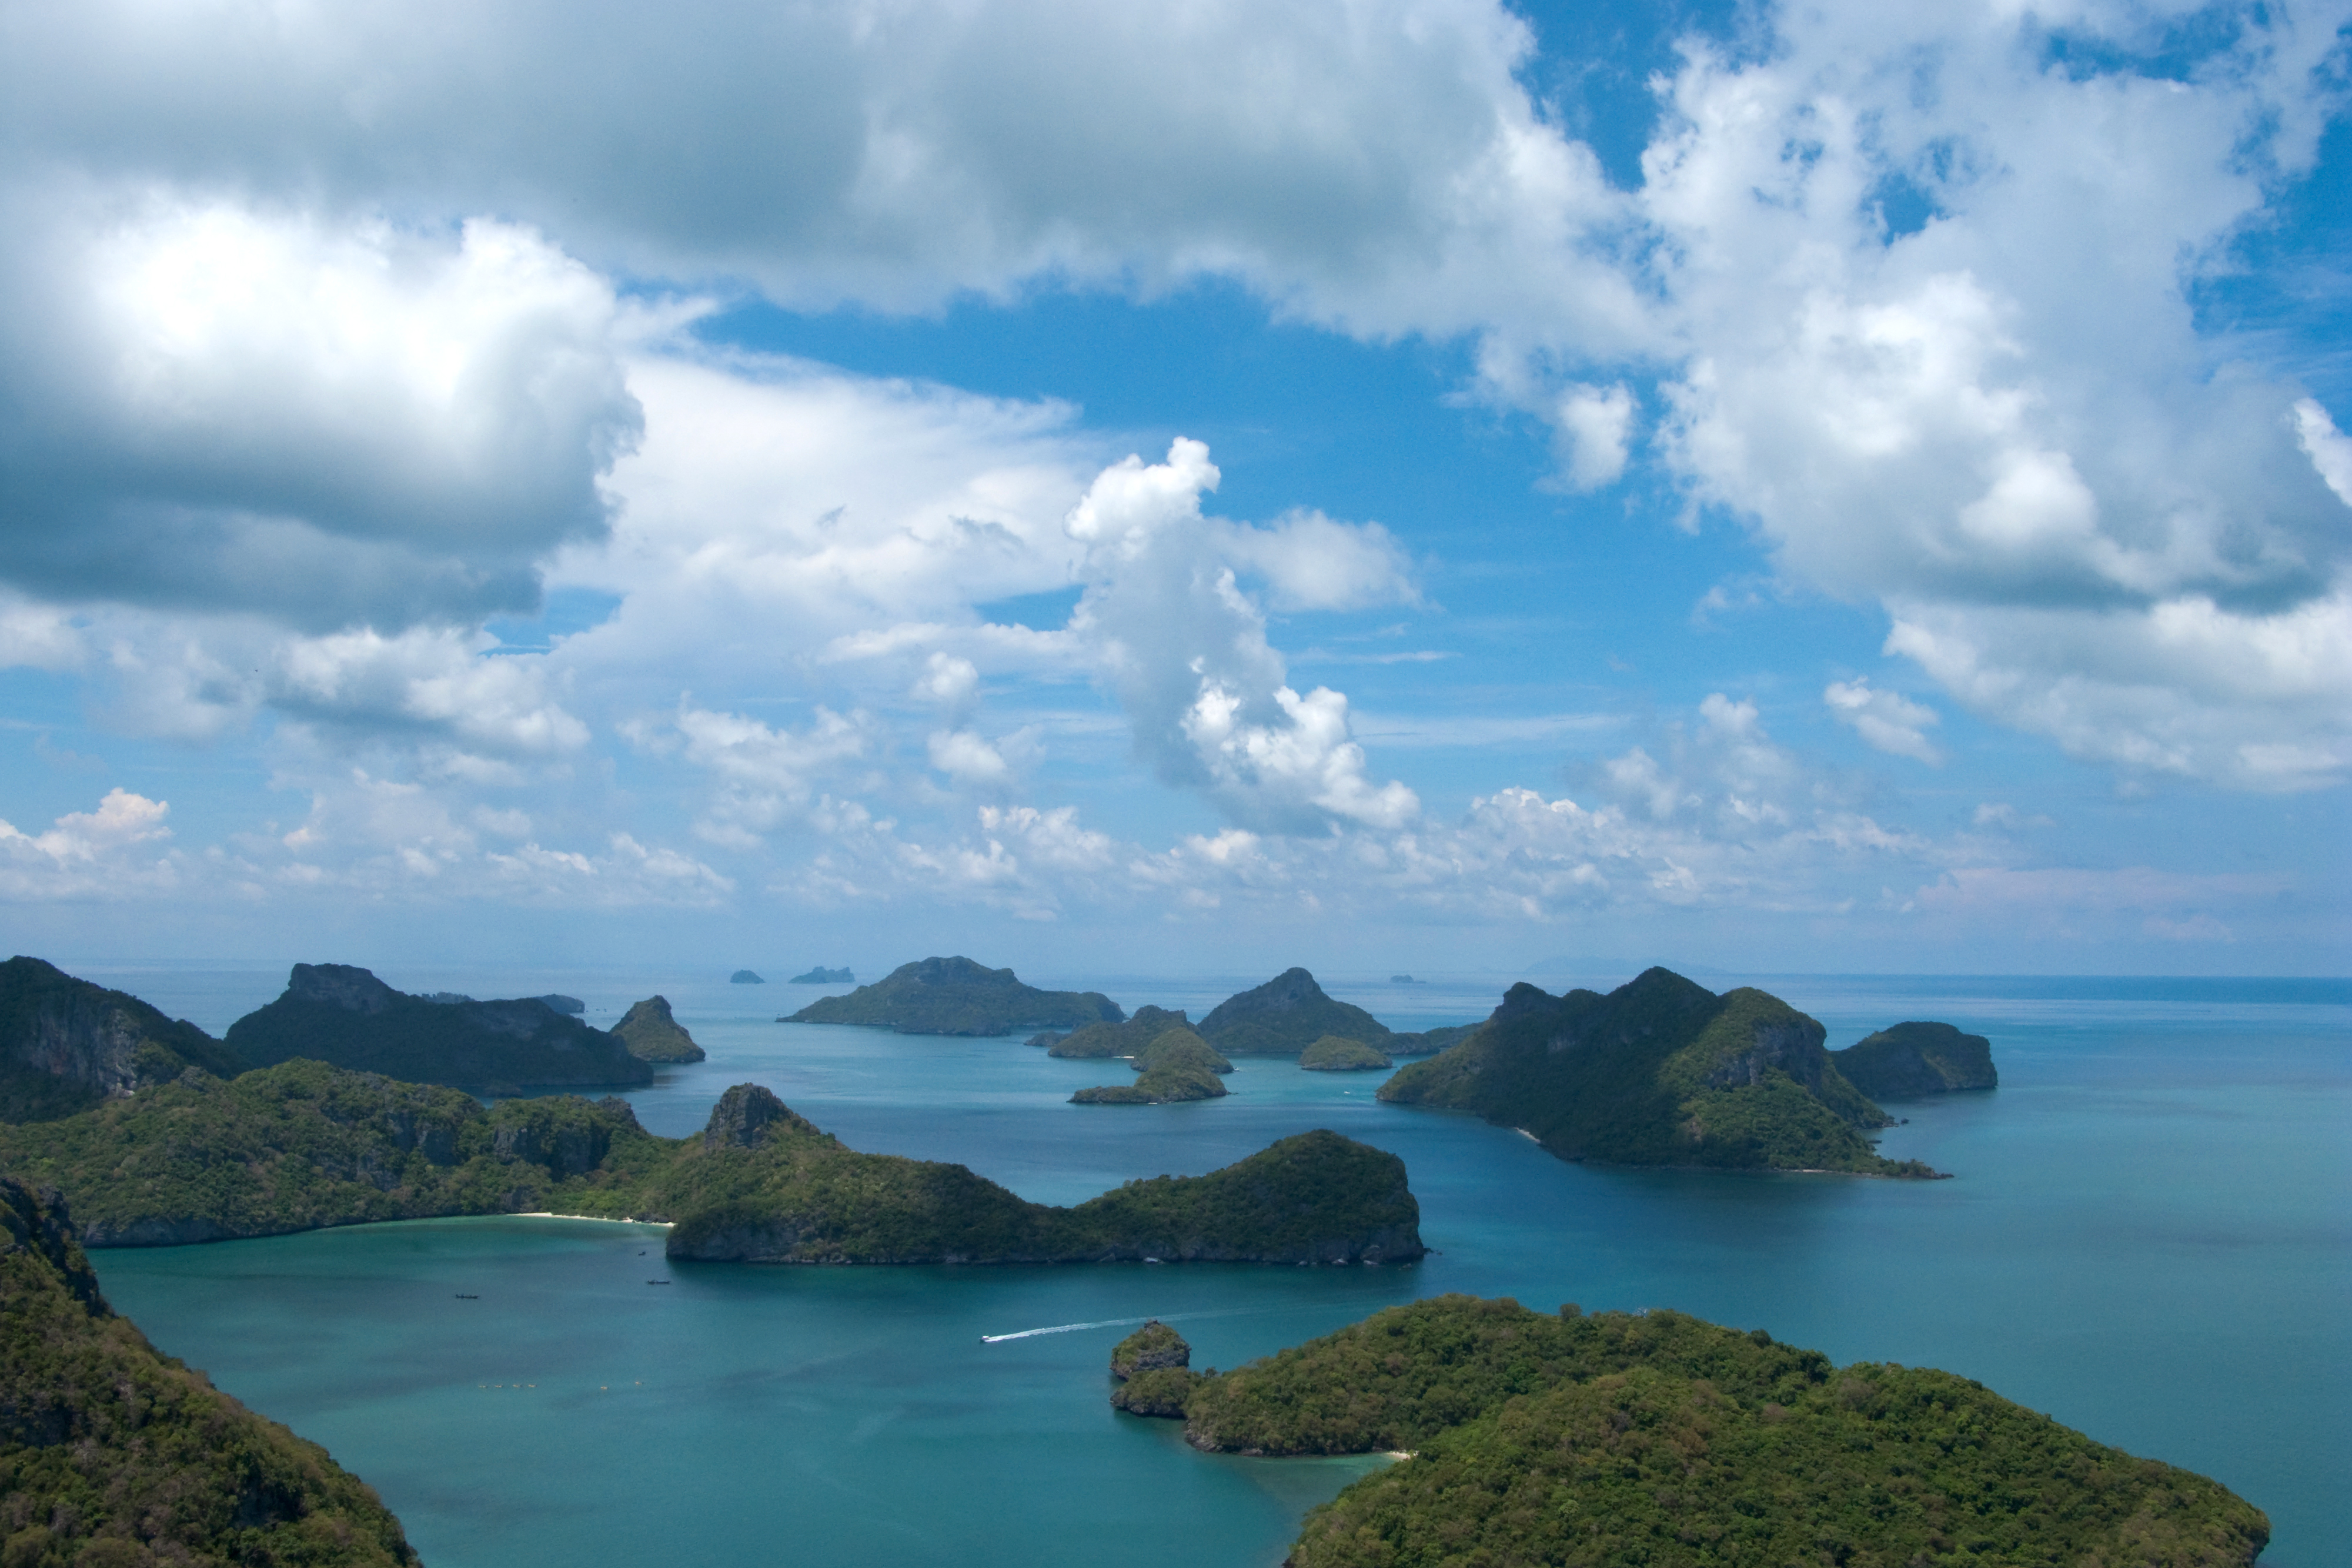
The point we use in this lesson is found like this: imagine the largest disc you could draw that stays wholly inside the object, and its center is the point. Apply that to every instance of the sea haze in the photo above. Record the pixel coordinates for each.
(2149, 1236)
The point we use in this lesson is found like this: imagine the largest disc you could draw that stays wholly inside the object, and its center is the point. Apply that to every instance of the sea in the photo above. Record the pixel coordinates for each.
(2147, 1235)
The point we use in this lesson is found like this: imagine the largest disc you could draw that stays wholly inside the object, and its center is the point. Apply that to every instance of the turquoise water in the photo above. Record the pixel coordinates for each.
(2149, 1238)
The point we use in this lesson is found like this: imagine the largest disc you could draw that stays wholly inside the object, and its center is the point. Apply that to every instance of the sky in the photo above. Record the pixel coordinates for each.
(1375, 483)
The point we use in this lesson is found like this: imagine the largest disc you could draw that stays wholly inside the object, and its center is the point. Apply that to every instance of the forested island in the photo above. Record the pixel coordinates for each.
(1660, 1072)
(1617, 1437)
(342, 1015)
(303, 1145)
(113, 1456)
(67, 1044)
(1177, 1064)
(651, 1033)
(957, 996)
(1914, 1059)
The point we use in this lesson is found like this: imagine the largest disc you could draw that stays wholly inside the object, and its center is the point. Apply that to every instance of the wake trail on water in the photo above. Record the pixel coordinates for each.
(1165, 1318)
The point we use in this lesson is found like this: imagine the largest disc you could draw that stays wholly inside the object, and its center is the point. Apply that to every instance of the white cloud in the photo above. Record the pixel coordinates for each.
(2329, 449)
(1594, 424)
(1187, 653)
(1310, 562)
(103, 854)
(221, 407)
(1887, 720)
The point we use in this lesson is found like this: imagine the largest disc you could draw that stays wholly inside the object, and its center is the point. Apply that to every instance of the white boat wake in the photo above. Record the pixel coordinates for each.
(1164, 1318)
(1063, 1328)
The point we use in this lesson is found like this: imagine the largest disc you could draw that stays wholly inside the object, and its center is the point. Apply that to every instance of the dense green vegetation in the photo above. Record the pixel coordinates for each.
(1155, 1345)
(1914, 1059)
(1163, 1391)
(1283, 1016)
(67, 1044)
(1124, 1038)
(956, 996)
(303, 1145)
(344, 1016)
(1176, 1065)
(1620, 1439)
(652, 1034)
(1332, 1054)
(1660, 1072)
(113, 1456)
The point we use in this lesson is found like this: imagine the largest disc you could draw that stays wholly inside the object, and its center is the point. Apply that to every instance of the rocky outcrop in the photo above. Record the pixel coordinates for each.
(652, 1034)
(1915, 1058)
(1153, 1345)
(67, 1044)
(743, 1116)
(344, 1016)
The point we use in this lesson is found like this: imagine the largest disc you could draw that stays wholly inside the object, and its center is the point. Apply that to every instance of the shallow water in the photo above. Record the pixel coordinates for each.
(2147, 1237)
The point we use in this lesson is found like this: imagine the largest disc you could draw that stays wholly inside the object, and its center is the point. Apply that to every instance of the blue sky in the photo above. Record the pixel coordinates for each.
(1375, 484)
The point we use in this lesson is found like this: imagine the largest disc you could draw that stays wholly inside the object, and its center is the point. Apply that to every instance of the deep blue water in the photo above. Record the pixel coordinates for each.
(2148, 1237)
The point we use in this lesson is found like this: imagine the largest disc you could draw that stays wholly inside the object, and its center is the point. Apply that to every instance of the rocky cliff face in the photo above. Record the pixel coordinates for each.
(67, 1044)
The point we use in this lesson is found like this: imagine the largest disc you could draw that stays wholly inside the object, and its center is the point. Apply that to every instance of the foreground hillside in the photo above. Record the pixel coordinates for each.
(1660, 1072)
(1657, 1439)
(303, 1145)
(113, 1456)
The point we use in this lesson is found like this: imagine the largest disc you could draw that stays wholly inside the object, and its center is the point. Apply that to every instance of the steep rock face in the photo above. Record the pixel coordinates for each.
(1915, 1058)
(67, 1044)
(744, 1114)
(652, 1034)
(115, 1455)
(1285, 1016)
(344, 1016)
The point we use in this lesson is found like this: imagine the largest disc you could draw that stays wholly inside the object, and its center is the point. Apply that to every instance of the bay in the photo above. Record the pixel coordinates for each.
(2149, 1237)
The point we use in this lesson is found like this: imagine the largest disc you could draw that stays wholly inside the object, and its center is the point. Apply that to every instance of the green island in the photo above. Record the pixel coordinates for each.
(1285, 1016)
(1333, 1054)
(1152, 1367)
(1176, 1065)
(1124, 1038)
(821, 975)
(1656, 1438)
(957, 996)
(1909, 1060)
(652, 1034)
(342, 1015)
(67, 1044)
(1660, 1072)
(303, 1145)
(114, 1456)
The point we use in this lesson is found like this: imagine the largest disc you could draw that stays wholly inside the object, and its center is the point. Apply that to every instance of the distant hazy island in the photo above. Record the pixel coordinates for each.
(1660, 1072)
(303, 1145)
(745, 977)
(1619, 1438)
(340, 1014)
(956, 996)
(821, 975)
(113, 1456)
(1915, 1058)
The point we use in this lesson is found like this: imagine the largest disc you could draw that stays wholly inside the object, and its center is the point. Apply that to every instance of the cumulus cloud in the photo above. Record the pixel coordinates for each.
(762, 774)
(105, 853)
(1594, 424)
(1888, 720)
(1186, 650)
(218, 407)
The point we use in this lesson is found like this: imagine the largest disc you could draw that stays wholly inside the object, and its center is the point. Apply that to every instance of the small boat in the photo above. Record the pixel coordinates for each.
(464, 1296)
(657, 1281)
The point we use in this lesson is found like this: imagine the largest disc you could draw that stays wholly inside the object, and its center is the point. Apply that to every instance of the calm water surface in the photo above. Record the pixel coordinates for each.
(2149, 1238)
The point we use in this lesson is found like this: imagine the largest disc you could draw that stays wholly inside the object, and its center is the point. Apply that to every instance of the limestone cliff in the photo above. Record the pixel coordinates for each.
(67, 1044)
(653, 1035)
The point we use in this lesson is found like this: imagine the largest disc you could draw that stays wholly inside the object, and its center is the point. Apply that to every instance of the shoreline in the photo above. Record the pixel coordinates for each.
(598, 1218)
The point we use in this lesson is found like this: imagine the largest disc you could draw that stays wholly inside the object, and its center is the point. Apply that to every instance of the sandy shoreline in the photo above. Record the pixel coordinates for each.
(599, 1218)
